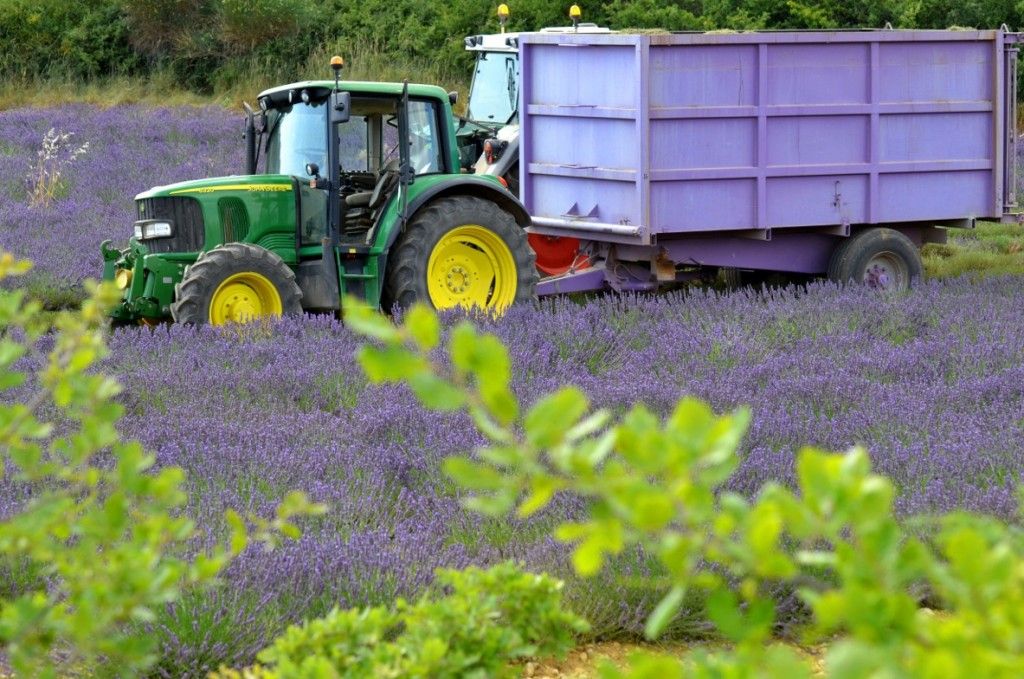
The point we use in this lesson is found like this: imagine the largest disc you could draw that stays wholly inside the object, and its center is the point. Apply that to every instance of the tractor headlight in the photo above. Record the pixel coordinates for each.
(123, 278)
(151, 228)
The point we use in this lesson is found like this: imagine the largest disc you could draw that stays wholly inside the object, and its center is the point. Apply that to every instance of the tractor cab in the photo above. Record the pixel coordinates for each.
(296, 136)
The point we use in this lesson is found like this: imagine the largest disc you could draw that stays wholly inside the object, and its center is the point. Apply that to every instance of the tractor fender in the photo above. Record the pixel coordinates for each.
(466, 187)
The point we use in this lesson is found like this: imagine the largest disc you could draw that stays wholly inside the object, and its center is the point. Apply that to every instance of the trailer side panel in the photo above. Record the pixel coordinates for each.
(762, 131)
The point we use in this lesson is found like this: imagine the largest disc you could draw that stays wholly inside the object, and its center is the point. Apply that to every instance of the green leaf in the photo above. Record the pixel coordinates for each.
(588, 557)
(498, 503)
(652, 510)
(10, 352)
(593, 423)
(542, 489)
(473, 475)
(423, 326)
(368, 322)
(553, 415)
(239, 531)
(724, 613)
(501, 403)
(491, 363)
(389, 364)
(502, 456)
(462, 346)
(664, 612)
(691, 417)
(436, 393)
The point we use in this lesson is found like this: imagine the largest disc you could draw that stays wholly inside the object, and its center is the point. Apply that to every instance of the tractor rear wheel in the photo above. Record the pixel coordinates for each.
(879, 258)
(461, 251)
(236, 283)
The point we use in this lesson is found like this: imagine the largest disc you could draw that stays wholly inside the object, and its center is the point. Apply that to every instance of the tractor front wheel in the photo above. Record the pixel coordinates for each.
(236, 283)
(461, 251)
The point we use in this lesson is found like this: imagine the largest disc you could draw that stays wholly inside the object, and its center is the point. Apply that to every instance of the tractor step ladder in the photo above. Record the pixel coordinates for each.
(358, 271)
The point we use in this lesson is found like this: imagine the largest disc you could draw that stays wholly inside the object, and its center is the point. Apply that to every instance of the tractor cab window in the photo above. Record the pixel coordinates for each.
(425, 141)
(297, 136)
(494, 94)
(355, 152)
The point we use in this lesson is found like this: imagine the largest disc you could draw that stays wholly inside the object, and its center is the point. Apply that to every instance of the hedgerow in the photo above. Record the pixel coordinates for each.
(202, 41)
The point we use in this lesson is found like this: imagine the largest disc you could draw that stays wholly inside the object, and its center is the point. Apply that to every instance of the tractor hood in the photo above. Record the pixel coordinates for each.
(260, 183)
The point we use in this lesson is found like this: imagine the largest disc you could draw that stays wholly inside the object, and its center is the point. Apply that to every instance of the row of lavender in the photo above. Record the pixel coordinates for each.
(932, 383)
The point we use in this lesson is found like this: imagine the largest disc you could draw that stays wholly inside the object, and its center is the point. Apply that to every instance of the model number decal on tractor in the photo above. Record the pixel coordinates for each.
(236, 187)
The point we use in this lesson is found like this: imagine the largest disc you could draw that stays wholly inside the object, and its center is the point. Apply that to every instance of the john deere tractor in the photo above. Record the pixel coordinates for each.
(351, 188)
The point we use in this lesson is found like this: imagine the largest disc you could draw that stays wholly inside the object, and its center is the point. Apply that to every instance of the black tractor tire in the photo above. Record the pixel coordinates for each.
(195, 292)
(879, 257)
(405, 282)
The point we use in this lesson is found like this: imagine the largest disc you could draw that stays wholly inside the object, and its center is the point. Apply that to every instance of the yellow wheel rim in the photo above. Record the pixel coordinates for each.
(244, 297)
(471, 266)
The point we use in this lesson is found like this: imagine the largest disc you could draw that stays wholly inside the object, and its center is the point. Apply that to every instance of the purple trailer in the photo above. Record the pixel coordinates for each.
(834, 153)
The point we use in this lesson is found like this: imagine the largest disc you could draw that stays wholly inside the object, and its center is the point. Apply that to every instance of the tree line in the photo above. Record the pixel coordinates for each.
(206, 44)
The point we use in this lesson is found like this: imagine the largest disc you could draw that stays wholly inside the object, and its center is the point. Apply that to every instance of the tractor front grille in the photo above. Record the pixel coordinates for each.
(234, 219)
(188, 232)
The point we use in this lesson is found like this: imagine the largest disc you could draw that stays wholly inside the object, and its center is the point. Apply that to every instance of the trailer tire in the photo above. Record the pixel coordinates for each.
(461, 251)
(880, 258)
(235, 283)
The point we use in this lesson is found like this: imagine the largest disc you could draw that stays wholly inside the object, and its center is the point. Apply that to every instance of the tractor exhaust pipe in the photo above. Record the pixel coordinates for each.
(250, 139)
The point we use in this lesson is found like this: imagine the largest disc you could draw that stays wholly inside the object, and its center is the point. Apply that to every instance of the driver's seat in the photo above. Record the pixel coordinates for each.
(371, 200)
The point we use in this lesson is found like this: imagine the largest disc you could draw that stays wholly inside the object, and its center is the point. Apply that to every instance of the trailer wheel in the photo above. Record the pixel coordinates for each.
(880, 258)
(461, 251)
(236, 283)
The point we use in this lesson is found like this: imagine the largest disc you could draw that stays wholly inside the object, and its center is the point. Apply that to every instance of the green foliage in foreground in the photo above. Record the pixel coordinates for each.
(471, 625)
(659, 486)
(99, 538)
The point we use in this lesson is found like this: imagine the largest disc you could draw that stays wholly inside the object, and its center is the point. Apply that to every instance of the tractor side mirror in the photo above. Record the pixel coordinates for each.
(341, 102)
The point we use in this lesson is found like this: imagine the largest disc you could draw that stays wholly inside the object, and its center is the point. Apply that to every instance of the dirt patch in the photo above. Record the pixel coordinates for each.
(585, 661)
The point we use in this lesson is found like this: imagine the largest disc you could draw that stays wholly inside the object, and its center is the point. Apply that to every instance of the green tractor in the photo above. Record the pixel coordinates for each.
(352, 188)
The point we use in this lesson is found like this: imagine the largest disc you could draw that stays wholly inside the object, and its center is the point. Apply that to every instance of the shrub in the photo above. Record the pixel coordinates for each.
(248, 23)
(160, 26)
(471, 624)
(52, 37)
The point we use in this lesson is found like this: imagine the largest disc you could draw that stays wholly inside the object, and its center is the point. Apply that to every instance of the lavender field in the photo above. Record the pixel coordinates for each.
(931, 382)
(131, 148)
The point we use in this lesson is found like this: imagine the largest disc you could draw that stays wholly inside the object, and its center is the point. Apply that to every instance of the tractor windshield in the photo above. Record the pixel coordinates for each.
(298, 135)
(494, 95)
